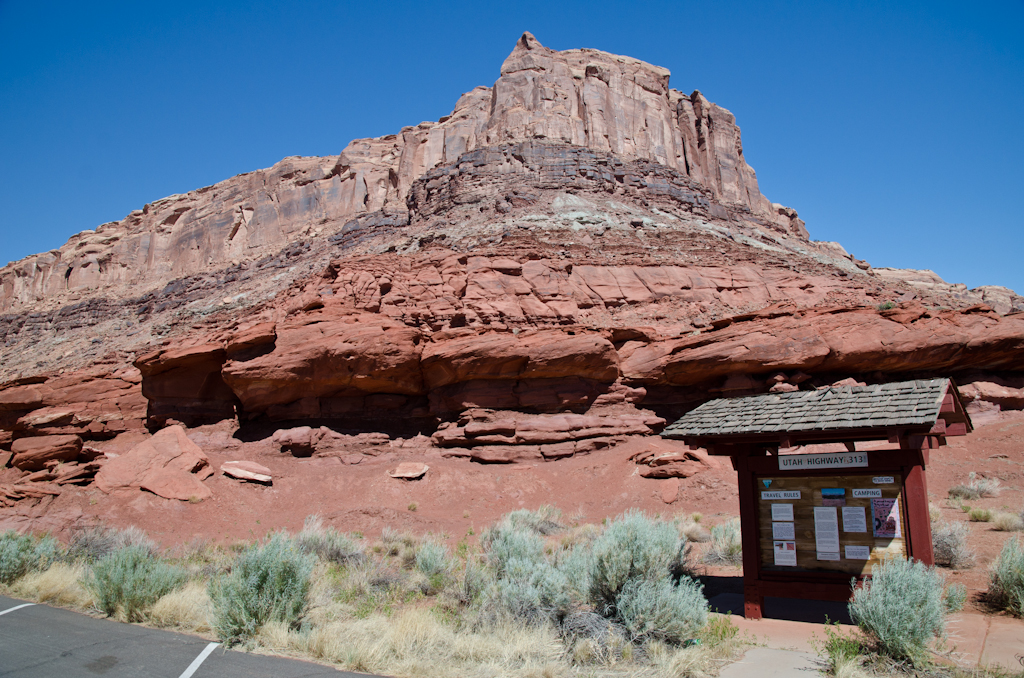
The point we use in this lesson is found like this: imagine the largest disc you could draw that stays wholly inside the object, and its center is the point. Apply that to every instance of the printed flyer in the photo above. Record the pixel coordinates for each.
(886, 514)
(785, 553)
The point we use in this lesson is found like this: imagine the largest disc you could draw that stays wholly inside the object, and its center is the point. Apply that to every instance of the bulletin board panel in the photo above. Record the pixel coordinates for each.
(838, 523)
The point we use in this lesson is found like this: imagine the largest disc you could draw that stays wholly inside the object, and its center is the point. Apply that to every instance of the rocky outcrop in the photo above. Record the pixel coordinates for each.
(609, 104)
(503, 437)
(32, 454)
(93, 404)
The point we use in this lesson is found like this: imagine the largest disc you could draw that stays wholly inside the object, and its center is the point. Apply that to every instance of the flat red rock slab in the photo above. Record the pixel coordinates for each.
(247, 470)
(409, 470)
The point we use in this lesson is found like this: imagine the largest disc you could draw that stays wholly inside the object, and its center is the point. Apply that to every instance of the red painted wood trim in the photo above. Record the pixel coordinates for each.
(753, 600)
(918, 527)
(958, 429)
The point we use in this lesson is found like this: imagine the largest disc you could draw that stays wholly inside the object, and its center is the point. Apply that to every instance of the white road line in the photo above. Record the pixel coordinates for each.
(197, 661)
(16, 607)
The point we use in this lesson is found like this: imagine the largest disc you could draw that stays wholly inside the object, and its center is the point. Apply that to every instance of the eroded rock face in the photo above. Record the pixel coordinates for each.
(31, 454)
(586, 98)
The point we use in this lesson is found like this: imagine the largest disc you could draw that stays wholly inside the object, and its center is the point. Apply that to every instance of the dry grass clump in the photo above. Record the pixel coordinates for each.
(690, 527)
(949, 542)
(188, 609)
(975, 488)
(980, 515)
(60, 584)
(1008, 522)
(726, 544)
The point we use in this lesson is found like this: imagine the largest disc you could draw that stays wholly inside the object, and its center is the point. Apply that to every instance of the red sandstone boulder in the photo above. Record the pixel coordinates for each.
(299, 441)
(31, 454)
(1005, 397)
(168, 464)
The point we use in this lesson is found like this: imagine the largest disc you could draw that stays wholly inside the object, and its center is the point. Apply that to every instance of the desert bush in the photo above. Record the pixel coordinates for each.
(1008, 522)
(327, 543)
(901, 608)
(130, 580)
(955, 597)
(268, 582)
(21, 554)
(545, 520)
(979, 515)
(661, 609)
(1006, 580)
(726, 545)
(504, 543)
(949, 543)
(975, 488)
(838, 650)
(432, 558)
(633, 546)
(529, 592)
(934, 512)
(97, 542)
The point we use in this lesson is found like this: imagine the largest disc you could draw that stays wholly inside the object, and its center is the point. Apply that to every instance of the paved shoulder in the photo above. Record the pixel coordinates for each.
(37, 641)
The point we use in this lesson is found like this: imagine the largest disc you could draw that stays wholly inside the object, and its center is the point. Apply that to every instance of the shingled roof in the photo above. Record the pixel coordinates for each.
(905, 404)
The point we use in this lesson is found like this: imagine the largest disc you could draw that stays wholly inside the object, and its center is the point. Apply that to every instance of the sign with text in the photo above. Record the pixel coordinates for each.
(810, 462)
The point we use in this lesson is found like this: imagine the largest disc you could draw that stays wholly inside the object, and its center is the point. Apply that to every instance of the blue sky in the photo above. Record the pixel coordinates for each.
(893, 128)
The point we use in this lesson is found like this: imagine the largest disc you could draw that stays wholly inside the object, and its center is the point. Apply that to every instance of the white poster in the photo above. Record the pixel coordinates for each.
(826, 530)
(783, 531)
(858, 553)
(855, 519)
(785, 553)
(828, 555)
(782, 512)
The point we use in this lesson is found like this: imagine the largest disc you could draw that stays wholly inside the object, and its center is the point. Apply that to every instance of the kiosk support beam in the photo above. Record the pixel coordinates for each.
(753, 596)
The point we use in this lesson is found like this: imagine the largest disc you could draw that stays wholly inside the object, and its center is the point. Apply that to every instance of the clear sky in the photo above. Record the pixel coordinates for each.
(894, 128)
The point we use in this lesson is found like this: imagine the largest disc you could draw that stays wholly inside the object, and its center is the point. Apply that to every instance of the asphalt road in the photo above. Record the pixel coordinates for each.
(37, 641)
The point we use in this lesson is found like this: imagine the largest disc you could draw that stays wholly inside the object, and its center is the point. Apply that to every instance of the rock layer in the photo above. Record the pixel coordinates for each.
(585, 98)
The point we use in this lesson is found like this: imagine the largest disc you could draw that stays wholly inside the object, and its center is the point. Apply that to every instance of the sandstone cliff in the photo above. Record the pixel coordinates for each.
(585, 98)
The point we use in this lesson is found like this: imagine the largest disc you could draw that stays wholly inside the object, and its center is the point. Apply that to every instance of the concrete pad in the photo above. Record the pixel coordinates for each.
(1004, 645)
(767, 663)
(966, 637)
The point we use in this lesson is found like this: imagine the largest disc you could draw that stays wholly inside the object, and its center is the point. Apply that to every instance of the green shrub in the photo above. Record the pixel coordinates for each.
(21, 554)
(980, 515)
(327, 543)
(633, 546)
(837, 649)
(949, 544)
(901, 607)
(530, 592)
(955, 598)
(662, 610)
(545, 520)
(432, 558)
(267, 582)
(1006, 581)
(132, 579)
(506, 542)
(726, 544)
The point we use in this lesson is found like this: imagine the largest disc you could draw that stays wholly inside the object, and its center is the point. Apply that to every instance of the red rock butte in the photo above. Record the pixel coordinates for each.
(574, 256)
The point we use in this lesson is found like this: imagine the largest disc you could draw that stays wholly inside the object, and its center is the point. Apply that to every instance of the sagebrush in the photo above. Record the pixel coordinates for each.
(130, 580)
(268, 582)
(1006, 580)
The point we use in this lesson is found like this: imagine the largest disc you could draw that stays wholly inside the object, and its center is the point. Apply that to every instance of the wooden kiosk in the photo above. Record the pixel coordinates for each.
(811, 522)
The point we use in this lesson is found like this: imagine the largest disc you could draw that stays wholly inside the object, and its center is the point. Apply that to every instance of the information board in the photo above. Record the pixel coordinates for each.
(842, 523)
